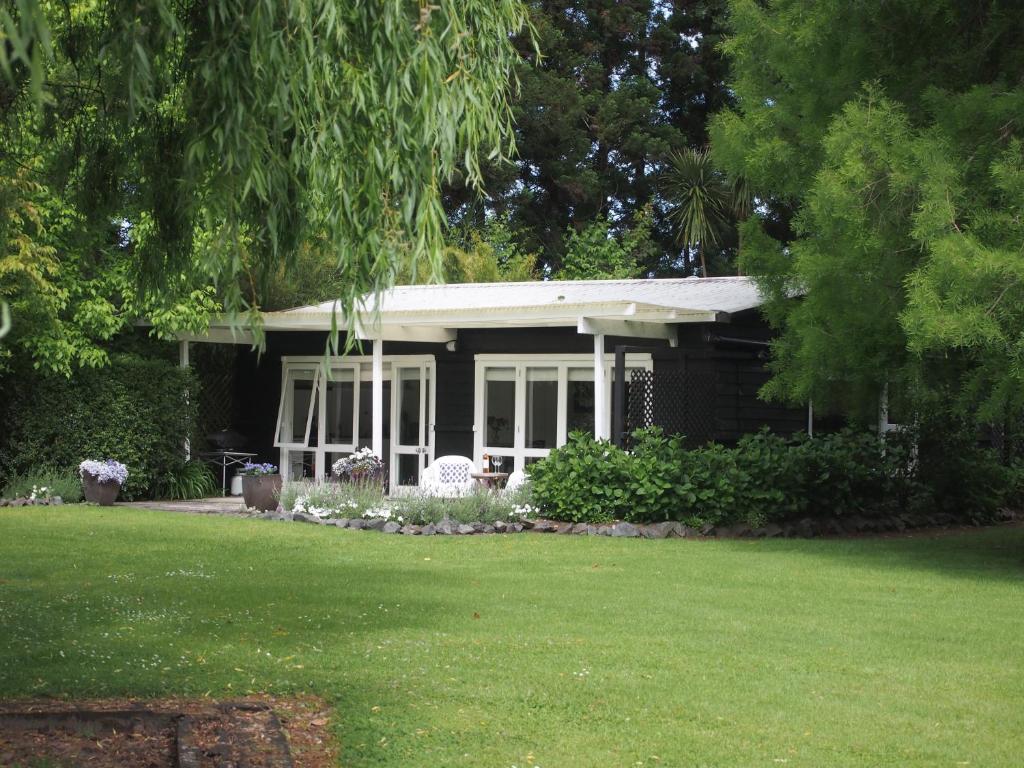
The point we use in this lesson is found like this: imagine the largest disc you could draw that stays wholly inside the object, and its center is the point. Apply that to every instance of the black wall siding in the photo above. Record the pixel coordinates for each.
(739, 374)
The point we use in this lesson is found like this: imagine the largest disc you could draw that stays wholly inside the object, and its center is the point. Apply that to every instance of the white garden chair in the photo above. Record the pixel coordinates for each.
(449, 476)
(516, 480)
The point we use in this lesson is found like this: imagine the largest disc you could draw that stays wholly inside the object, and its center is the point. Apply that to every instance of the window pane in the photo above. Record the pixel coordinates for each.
(579, 406)
(408, 469)
(366, 412)
(340, 400)
(499, 406)
(302, 395)
(299, 464)
(541, 407)
(409, 406)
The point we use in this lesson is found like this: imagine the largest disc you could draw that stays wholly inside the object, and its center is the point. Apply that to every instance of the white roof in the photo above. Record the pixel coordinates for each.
(645, 308)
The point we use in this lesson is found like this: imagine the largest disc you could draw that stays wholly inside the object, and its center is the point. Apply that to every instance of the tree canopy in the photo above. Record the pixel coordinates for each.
(620, 85)
(895, 131)
(151, 151)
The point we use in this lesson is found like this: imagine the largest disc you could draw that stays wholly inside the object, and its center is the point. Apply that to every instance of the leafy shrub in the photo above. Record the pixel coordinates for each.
(962, 478)
(63, 483)
(136, 410)
(764, 478)
(583, 481)
(186, 480)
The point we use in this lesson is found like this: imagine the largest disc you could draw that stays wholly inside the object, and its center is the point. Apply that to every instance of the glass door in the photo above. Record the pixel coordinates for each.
(339, 395)
(412, 427)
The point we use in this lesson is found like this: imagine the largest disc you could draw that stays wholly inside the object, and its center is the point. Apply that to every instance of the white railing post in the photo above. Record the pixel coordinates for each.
(601, 428)
(378, 398)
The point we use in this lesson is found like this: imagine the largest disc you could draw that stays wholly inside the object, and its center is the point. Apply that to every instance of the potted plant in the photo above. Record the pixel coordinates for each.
(363, 467)
(261, 486)
(102, 480)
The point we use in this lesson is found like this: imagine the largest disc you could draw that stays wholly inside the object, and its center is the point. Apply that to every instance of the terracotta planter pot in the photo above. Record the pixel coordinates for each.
(104, 494)
(261, 491)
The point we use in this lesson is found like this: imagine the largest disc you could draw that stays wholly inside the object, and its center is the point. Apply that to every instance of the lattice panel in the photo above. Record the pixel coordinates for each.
(214, 366)
(453, 473)
(681, 402)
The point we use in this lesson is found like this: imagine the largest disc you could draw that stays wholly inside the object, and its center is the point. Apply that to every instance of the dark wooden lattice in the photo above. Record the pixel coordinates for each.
(214, 366)
(681, 402)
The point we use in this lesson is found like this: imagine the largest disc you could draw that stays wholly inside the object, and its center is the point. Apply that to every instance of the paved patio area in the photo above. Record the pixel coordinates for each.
(217, 505)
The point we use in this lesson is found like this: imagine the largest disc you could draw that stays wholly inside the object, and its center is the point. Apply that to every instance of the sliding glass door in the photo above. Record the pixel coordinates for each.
(528, 405)
(325, 413)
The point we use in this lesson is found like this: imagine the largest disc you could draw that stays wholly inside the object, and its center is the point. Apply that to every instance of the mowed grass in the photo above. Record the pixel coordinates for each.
(536, 650)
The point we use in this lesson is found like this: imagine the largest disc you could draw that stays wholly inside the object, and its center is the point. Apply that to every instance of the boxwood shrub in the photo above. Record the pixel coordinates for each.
(136, 410)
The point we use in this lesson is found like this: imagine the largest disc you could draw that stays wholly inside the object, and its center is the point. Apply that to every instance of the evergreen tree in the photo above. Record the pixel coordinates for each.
(894, 129)
(620, 85)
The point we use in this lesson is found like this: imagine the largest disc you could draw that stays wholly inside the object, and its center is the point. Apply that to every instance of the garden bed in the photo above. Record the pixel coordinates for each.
(169, 733)
(808, 527)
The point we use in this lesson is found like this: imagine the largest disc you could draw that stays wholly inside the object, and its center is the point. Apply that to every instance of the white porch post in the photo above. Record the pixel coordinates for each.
(183, 363)
(601, 429)
(378, 398)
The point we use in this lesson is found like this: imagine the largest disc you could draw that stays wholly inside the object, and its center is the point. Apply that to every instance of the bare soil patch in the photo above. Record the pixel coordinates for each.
(253, 732)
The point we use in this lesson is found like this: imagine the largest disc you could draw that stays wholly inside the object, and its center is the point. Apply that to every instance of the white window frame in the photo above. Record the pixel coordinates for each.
(362, 365)
(284, 406)
(520, 452)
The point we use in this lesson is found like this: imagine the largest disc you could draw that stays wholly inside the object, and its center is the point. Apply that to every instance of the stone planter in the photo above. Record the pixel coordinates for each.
(261, 491)
(104, 494)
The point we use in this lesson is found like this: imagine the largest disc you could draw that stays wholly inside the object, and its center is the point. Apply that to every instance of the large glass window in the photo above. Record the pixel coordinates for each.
(339, 407)
(579, 400)
(295, 412)
(541, 407)
(500, 407)
(409, 406)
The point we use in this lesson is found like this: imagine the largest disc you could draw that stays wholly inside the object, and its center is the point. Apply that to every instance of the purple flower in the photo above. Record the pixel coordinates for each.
(257, 470)
(108, 471)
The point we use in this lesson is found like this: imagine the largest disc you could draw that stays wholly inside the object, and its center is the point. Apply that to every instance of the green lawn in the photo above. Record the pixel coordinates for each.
(536, 650)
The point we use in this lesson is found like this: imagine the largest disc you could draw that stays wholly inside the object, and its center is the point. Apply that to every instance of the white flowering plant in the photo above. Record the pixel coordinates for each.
(108, 471)
(364, 464)
(324, 499)
(39, 492)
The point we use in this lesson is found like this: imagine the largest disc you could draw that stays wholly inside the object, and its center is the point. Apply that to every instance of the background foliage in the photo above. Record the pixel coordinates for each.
(894, 131)
(135, 410)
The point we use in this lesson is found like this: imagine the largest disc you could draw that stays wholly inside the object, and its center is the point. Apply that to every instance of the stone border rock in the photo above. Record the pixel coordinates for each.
(804, 528)
(21, 501)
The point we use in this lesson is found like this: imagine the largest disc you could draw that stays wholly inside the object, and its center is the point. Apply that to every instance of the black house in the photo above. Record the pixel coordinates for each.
(506, 369)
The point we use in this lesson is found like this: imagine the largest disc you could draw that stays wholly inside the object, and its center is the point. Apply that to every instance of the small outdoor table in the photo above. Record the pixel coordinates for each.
(225, 459)
(490, 480)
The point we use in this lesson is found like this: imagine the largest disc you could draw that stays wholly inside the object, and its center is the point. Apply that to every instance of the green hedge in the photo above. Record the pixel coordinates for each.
(135, 410)
(768, 478)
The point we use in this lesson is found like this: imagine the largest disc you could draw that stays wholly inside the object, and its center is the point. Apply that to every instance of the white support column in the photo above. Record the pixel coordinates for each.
(601, 428)
(378, 398)
(183, 363)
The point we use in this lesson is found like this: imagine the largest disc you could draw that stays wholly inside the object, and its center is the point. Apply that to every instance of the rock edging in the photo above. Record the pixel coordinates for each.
(802, 528)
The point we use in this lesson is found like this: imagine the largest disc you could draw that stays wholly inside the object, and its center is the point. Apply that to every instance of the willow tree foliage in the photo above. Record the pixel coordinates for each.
(895, 129)
(205, 141)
